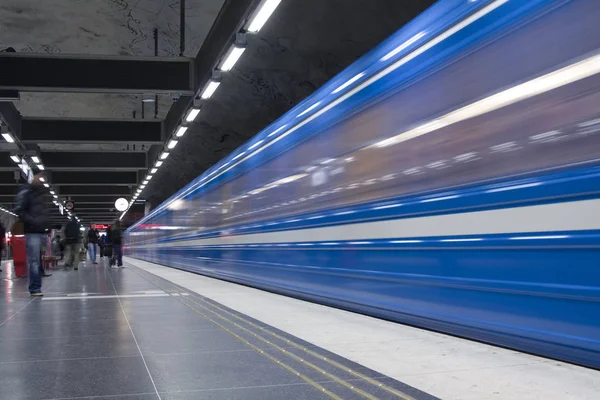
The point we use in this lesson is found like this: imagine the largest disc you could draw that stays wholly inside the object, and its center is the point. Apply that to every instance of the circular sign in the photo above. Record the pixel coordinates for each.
(69, 205)
(121, 204)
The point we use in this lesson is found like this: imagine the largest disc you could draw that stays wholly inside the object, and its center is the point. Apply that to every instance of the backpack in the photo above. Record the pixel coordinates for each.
(72, 232)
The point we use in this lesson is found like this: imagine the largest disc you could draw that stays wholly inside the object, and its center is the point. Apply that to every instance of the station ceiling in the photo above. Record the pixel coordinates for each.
(83, 69)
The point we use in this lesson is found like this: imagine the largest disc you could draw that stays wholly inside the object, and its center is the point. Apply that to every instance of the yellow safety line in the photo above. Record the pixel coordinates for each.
(315, 354)
(291, 355)
(372, 381)
(255, 348)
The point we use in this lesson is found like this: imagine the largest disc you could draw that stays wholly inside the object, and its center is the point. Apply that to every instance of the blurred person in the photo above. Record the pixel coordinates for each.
(56, 245)
(101, 242)
(31, 211)
(2, 242)
(86, 245)
(117, 242)
(108, 245)
(92, 243)
(72, 241)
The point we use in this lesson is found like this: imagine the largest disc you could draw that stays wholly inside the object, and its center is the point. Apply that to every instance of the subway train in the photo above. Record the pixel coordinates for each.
(449, 179)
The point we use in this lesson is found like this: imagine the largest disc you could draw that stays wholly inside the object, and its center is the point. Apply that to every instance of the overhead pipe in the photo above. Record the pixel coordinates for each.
(156, 55)
(181, 27)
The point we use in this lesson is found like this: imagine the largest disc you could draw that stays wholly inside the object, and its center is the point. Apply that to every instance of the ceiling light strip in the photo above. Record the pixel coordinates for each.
(410, 56)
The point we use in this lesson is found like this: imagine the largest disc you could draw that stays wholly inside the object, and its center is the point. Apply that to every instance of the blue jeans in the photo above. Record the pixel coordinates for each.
(33, 245)
(118, 250)
(92, 247)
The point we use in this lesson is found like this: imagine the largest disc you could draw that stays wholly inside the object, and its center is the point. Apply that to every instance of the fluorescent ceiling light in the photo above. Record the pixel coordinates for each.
(158, 164)
(41, 167)
(42, 179)
(238, 156)
(553, 80)
(148, 98)
(56, 197)
(153, 170)
(181, 130)
(277, 131)
(164, 155)
(210, 89)
(8, 137)
(403, 46)
(35, 159)
(255, 144)
(15, 159)
(262, 14)
(148, 177)
(348, 82)
(47, 185)
(145, 182)
(142, 186)
(52, 192)
(192, 114)
(309, 109)
(412, 55)
(172, 144)
(232, 58)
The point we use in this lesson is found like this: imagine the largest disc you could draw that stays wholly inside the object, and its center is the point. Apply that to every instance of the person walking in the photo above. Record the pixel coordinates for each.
(31, 210)
(72, 241)
(108, 246)
(2, 242)
(101, 243)
(93, 242)
(56, 246)
(117, 242)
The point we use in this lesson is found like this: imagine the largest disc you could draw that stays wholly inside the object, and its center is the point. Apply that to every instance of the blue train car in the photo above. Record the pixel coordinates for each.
(449, 179)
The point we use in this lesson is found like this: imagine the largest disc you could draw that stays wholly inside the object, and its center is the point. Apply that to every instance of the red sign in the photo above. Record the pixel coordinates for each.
(101, 227)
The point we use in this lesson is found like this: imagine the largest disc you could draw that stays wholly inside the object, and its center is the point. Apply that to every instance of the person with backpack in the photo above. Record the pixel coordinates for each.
(72, 241)
(117, 243)
(31, 210)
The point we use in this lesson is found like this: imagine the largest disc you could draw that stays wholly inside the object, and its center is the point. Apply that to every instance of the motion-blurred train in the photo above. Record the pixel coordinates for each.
(449, 179)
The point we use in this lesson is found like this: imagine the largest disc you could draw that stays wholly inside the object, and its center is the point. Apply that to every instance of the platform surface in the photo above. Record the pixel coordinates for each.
(128, 334)
(443, 366)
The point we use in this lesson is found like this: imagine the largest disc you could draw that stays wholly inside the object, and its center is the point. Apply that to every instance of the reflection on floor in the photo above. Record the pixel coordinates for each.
(108, 333)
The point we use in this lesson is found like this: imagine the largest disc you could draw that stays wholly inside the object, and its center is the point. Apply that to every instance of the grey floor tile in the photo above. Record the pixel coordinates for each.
(119, 344)
(216, 371)
(141, 396)
(61, 328)
(167, 321)
(46, 311)
(166, 309)
(291, 392)
(189, 341)
(74, 378)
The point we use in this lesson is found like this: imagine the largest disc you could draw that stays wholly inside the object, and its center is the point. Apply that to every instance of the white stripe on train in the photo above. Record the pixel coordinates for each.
(567, 216)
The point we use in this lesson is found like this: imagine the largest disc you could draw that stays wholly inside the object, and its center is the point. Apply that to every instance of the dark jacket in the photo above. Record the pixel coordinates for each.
(72, 234)
(108, 237)
(115, 235)
(31, 209)
(92, 236)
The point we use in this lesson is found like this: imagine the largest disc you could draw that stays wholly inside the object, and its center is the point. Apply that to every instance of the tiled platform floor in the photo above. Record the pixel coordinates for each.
(118, 334)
